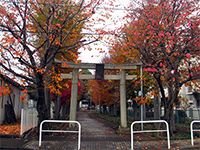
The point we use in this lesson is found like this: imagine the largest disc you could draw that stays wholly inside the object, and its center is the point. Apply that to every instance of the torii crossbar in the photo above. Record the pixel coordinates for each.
(122, 77)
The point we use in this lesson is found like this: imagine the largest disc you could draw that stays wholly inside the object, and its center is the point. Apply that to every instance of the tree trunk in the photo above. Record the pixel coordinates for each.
(64, 110)
(168, 116)
(168, 102)
(156, 108)
(115, 109)
(111, 110)
(57, 107)
(156, 105)
(67, 109)
(48, 100)
(144, 113)
(47, 90)
(104, 109)
(41, 106)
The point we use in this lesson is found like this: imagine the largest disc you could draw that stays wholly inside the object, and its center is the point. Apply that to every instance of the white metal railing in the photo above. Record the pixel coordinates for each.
(61, 121)
(192, 130)
(152, 121)
(29, 119)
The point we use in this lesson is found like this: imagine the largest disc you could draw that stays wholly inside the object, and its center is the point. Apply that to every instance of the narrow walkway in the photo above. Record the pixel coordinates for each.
(96, 130)
(97, 136)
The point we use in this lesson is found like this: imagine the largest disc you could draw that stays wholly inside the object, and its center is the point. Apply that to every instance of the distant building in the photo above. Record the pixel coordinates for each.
(186, 93)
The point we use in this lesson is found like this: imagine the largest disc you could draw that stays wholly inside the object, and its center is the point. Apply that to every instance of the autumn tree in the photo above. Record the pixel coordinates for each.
(62, 102)
(71, 55)
(165, 34)
(118, 54)
(25, 33)
(104, 93)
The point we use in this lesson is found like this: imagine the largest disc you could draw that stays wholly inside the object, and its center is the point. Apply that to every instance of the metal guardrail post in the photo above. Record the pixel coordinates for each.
(61, 121)
(191, 129)
(152, 121)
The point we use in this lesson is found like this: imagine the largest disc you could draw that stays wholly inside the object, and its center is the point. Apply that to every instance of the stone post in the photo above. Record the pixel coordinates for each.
(123, 110)
(74, 92)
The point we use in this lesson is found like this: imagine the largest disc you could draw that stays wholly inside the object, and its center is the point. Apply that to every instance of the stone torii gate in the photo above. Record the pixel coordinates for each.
(122, 77)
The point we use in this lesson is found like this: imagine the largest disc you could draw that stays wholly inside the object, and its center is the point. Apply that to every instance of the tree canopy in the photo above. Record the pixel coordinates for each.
(34, 32)
(165, 35)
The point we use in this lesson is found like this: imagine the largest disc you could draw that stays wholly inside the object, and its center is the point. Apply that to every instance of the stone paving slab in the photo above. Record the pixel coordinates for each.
(114, 145)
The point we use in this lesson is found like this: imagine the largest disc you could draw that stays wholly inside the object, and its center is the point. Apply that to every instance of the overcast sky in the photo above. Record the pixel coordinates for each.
(93, 55)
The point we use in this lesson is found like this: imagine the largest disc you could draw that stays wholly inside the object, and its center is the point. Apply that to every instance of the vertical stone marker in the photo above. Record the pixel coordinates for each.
(74, 93)
(123, 99)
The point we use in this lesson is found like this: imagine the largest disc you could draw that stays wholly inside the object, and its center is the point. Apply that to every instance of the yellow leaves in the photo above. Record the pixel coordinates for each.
(74, 55)
(32, 30)
(120, 68)
(109, 80)
(59, 79)
(66, 85)
(60, 87)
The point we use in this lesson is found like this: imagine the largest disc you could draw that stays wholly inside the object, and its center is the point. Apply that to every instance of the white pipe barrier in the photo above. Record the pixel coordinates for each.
(61, 121)
(192, 130)
(152, 121)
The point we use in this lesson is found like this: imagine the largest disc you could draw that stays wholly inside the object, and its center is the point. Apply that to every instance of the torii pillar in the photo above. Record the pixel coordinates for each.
(123, 111)
(74, 93)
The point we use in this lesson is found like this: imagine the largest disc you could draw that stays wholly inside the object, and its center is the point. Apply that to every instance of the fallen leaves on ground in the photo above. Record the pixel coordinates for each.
(10, 129)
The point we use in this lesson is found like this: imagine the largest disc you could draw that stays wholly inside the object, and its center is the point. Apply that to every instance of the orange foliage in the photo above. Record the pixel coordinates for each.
(4, 90)
(100, 90)
(10, 129)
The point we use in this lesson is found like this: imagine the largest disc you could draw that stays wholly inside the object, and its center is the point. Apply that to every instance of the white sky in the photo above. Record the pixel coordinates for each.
(93, 55)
